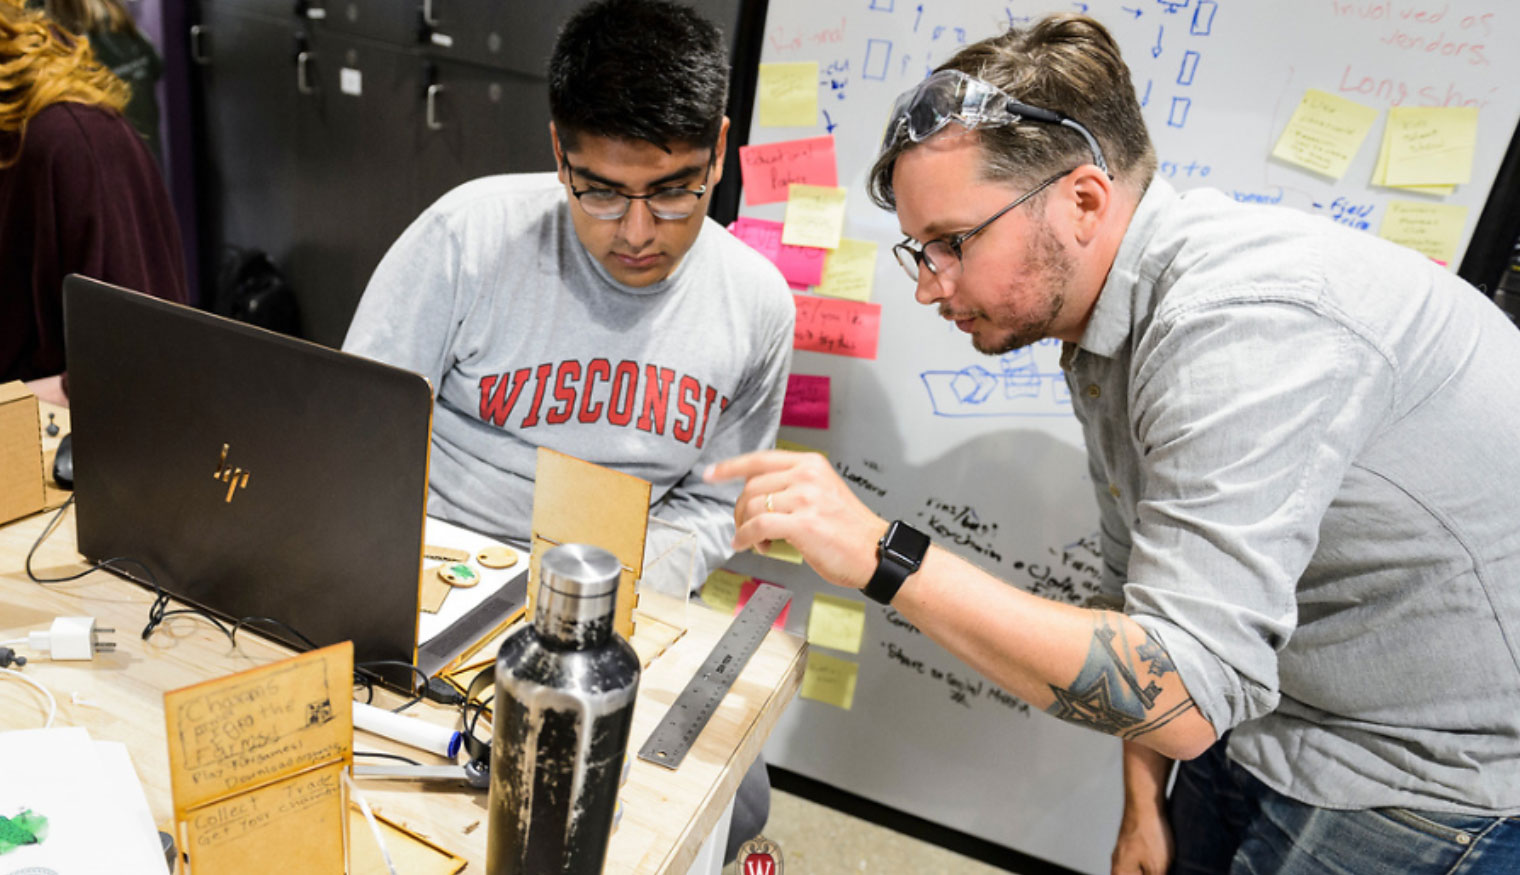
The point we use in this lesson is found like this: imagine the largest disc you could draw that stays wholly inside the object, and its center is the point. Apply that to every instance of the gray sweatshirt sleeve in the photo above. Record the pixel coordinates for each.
(412, 307)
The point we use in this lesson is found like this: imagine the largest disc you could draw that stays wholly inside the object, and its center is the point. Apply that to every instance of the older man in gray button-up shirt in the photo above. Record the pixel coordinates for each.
(1300, 438)
(1313, 502)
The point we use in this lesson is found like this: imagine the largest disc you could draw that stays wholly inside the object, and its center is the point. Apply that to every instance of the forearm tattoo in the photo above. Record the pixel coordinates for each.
(1111, 694)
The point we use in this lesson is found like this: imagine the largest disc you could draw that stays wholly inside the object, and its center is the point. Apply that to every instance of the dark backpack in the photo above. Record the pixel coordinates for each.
(249, 288)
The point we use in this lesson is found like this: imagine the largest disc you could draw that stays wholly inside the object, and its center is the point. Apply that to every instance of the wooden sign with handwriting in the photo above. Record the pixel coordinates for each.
(256, 765)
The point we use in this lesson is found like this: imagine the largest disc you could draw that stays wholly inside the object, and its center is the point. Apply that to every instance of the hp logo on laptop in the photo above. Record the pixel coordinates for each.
(233, 477)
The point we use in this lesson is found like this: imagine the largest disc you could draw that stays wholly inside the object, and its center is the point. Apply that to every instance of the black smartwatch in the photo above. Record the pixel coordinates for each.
(898, 554)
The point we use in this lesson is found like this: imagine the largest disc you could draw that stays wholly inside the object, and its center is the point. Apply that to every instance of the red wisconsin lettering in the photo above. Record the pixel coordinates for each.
(687, 426)
(656, 398)
(496, 407)
(594, 369)
(712, 395)
(565, 395)
(625, 388)
(540, 383)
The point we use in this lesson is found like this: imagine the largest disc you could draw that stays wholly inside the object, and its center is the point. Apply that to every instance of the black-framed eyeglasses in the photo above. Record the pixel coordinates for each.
(943, 254)
(665, 203)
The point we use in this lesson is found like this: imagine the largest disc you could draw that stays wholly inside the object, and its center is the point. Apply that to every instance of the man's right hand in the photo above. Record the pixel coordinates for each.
(1145, 845)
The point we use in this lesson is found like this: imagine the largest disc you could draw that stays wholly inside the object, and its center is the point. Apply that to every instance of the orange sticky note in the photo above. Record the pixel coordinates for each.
(769, 168)
(837, 326)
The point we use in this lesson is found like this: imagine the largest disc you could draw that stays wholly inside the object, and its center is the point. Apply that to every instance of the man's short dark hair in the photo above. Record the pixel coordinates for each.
(639, 70)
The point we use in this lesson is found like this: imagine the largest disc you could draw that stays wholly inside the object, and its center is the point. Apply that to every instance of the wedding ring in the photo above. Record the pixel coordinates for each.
(769, 508)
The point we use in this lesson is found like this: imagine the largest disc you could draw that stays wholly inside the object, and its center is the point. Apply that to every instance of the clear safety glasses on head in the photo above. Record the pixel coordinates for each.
(952, 96)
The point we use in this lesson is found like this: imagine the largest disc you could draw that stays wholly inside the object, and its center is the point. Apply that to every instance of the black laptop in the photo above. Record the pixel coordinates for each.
(256, 475)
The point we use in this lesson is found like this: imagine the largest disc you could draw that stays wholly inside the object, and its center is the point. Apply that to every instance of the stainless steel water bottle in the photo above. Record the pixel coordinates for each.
(565, 686)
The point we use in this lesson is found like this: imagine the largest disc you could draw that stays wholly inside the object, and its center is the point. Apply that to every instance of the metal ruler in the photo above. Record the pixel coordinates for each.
(678, 730)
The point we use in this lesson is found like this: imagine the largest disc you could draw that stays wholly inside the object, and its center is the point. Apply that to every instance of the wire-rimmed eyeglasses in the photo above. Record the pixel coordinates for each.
(943, 254)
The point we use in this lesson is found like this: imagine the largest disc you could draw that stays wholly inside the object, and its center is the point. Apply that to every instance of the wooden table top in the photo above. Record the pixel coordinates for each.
(119, 697)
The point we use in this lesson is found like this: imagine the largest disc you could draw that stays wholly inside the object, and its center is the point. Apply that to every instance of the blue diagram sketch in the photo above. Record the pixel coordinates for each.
(1170, 7)
(1189, 68)
(1178, 116)
(878, 55)
(836, 77)
(1017, 385)
(882, 5)
(1203, 17)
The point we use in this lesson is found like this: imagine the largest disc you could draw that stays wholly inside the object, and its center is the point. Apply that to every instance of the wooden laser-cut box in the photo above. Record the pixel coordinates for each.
(21, 479)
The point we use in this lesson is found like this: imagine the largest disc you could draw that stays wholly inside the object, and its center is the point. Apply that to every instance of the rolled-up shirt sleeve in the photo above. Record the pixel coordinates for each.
(1245, 412)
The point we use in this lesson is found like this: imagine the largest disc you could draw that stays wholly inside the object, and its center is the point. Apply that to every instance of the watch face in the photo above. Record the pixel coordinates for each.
(906, 543)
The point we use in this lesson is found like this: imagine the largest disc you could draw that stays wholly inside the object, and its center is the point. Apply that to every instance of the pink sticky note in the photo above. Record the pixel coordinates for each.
(807, 401)
(747, 589)
(769, 168)
(837, 326)
(801, 265)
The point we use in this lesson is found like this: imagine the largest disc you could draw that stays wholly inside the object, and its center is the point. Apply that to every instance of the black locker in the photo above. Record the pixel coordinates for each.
(353, 192)
(246, 66)
(517, 36)
(478, 121)
(324, 127)
(387, 21)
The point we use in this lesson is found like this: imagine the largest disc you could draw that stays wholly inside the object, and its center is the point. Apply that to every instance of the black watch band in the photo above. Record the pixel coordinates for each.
(898, 554)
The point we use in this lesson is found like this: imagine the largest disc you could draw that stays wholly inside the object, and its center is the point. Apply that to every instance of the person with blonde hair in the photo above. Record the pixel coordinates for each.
(79, 193)
(122, 48)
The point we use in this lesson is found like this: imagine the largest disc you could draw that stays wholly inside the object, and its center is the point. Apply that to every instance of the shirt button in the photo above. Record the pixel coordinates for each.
(1093, 391)
(1113, 490)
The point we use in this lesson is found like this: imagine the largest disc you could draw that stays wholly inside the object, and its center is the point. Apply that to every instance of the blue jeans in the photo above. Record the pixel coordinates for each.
(1226, 821)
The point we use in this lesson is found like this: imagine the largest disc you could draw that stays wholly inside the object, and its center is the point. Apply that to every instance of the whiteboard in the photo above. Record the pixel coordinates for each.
(982, 452)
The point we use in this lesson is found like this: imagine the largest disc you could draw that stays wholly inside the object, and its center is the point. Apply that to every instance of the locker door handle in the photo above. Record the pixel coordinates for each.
(432, 108)
(196, 54)
(303, 78)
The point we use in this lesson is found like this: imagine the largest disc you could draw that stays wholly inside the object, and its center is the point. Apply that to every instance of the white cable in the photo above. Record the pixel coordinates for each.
(52, 703)
(374, 825)
(13, 642)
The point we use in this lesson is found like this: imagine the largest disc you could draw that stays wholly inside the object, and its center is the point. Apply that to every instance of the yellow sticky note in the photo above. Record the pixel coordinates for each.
(721, 590)
(788, 95)
(783, 551)
(1380, 174)
(836, 623)
(829, 680)
(814, 216)
(1324, 133)
(794, 447)
(1433, 229)
(1430, 145)
(849, 271)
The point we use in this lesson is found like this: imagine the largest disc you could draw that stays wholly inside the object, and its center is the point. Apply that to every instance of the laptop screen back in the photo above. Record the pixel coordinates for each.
(256, 475)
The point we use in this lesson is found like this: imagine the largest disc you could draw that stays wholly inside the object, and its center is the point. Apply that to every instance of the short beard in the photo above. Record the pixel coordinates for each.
(1051, 270)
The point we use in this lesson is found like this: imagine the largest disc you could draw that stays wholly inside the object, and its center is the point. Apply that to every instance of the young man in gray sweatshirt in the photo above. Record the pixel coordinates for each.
(596, 311)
